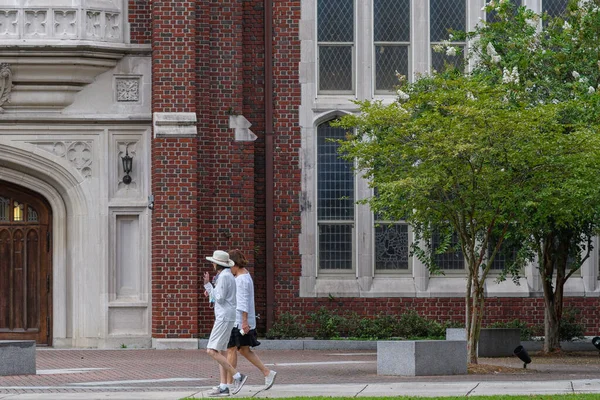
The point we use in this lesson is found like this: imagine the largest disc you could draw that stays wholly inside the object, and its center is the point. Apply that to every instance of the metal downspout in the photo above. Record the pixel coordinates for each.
(269, 184)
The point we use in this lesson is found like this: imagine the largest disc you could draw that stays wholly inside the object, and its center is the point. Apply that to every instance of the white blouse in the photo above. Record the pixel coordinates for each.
(224, 294)
(245, 300)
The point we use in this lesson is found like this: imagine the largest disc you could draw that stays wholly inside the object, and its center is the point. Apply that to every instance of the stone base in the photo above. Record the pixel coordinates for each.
(170, 344)
(422, 357)
(18, 357)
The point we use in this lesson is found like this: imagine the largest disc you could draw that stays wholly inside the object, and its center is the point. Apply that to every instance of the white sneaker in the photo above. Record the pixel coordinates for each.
(238, 383)
(218, 392)
(270, 379)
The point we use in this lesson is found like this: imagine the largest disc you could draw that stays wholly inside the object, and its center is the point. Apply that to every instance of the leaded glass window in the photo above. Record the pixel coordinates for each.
(391, 25)
(447, 15)
(391, 246)
(453, 259)
(492, 16)
(335, 201)
(335, 37)
(554, 8)
(32, 215)
(4, 209)
(505, 256)
(18, 210)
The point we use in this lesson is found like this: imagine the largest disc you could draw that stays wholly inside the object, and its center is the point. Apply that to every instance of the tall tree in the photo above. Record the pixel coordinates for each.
(488, 155)
(551, 60)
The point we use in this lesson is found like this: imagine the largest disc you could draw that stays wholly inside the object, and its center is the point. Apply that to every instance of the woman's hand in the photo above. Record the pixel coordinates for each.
(206, 278)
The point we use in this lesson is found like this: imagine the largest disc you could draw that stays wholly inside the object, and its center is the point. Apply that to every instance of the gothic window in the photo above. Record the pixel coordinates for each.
(391, 246)
(391, 32)
(335, 202)
(492, 16)
(32, 215)
(444, 16)
(451, 260)
(554, 8)
(4, 209)
(18, 209)
(335, 37)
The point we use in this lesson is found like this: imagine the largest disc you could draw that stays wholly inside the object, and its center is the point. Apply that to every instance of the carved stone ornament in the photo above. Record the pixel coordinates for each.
(128, 90)
(79, 154)
(5, 84)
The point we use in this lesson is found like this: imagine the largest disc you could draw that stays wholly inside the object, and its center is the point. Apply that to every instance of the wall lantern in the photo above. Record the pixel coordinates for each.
(127, 166)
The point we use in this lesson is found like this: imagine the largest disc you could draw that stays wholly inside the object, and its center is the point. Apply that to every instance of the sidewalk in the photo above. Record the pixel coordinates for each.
(175, 374)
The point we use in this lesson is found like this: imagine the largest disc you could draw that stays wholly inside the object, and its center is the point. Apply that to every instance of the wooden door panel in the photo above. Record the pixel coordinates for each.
(33, 276)
(5, 262)
(18, 281)
(25, 266)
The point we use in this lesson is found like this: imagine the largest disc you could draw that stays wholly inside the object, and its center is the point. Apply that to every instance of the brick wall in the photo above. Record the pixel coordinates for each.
(287, 143)
(140, 18)
(210, 190)
(175, 293)
(530, 310)
(226, 168)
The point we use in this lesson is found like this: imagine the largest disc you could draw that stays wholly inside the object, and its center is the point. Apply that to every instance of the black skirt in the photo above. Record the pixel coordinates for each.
(238, 340)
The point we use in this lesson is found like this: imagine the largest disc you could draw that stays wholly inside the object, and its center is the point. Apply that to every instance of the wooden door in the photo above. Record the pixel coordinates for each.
(25, 266)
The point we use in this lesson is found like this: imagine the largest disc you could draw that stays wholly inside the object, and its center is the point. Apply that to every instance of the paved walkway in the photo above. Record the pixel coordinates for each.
(174, 374)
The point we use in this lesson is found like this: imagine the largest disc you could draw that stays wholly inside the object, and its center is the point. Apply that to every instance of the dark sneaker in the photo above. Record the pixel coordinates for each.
(270, 379)
(239, 383)
(218, 392)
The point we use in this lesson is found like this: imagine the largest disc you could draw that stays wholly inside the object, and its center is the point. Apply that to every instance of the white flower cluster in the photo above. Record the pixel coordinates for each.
(446, 47)
(510, 76)
(491, 51)
(402, 95)
(494, 4)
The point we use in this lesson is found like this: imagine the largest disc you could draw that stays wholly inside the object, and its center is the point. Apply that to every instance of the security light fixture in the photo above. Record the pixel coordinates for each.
(596, 342)
(523, 356)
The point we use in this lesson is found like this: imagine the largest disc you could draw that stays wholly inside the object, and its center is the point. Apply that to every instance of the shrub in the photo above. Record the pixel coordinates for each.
(286, 327)
(380, 327)
(326, 324)
(412, 325)
(526, 330)
(569, 327)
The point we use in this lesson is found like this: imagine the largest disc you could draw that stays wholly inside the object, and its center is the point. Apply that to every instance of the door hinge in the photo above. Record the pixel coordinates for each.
(48, 283)
(47, 327)
(47, 241)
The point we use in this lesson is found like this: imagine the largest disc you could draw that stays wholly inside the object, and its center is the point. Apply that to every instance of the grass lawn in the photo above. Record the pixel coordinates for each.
(594, 396)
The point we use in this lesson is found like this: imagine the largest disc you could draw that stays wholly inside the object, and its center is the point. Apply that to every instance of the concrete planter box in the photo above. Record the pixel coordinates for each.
(422, 357)
(17, 357)
(498, 342)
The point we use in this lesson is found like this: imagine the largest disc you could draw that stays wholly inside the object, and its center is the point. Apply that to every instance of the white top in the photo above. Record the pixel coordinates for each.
(245, 300)
(224, 294)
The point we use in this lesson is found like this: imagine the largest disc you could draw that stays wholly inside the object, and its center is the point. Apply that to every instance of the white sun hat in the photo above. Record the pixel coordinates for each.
(222, 258)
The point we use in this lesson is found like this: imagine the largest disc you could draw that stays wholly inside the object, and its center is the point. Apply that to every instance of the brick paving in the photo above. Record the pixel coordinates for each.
(169, 370)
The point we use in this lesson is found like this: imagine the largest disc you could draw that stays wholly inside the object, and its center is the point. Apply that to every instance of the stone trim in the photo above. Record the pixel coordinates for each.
(174, 124)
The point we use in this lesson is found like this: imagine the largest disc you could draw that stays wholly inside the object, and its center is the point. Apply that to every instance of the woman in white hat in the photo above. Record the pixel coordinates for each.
(224, 294)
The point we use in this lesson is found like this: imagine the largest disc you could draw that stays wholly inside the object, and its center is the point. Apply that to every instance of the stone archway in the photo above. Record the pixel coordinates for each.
(61, 187)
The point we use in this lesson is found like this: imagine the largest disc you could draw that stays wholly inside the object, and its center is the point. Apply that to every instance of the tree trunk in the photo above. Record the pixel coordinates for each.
(551, 329)
(555, 258)
(476, 316)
